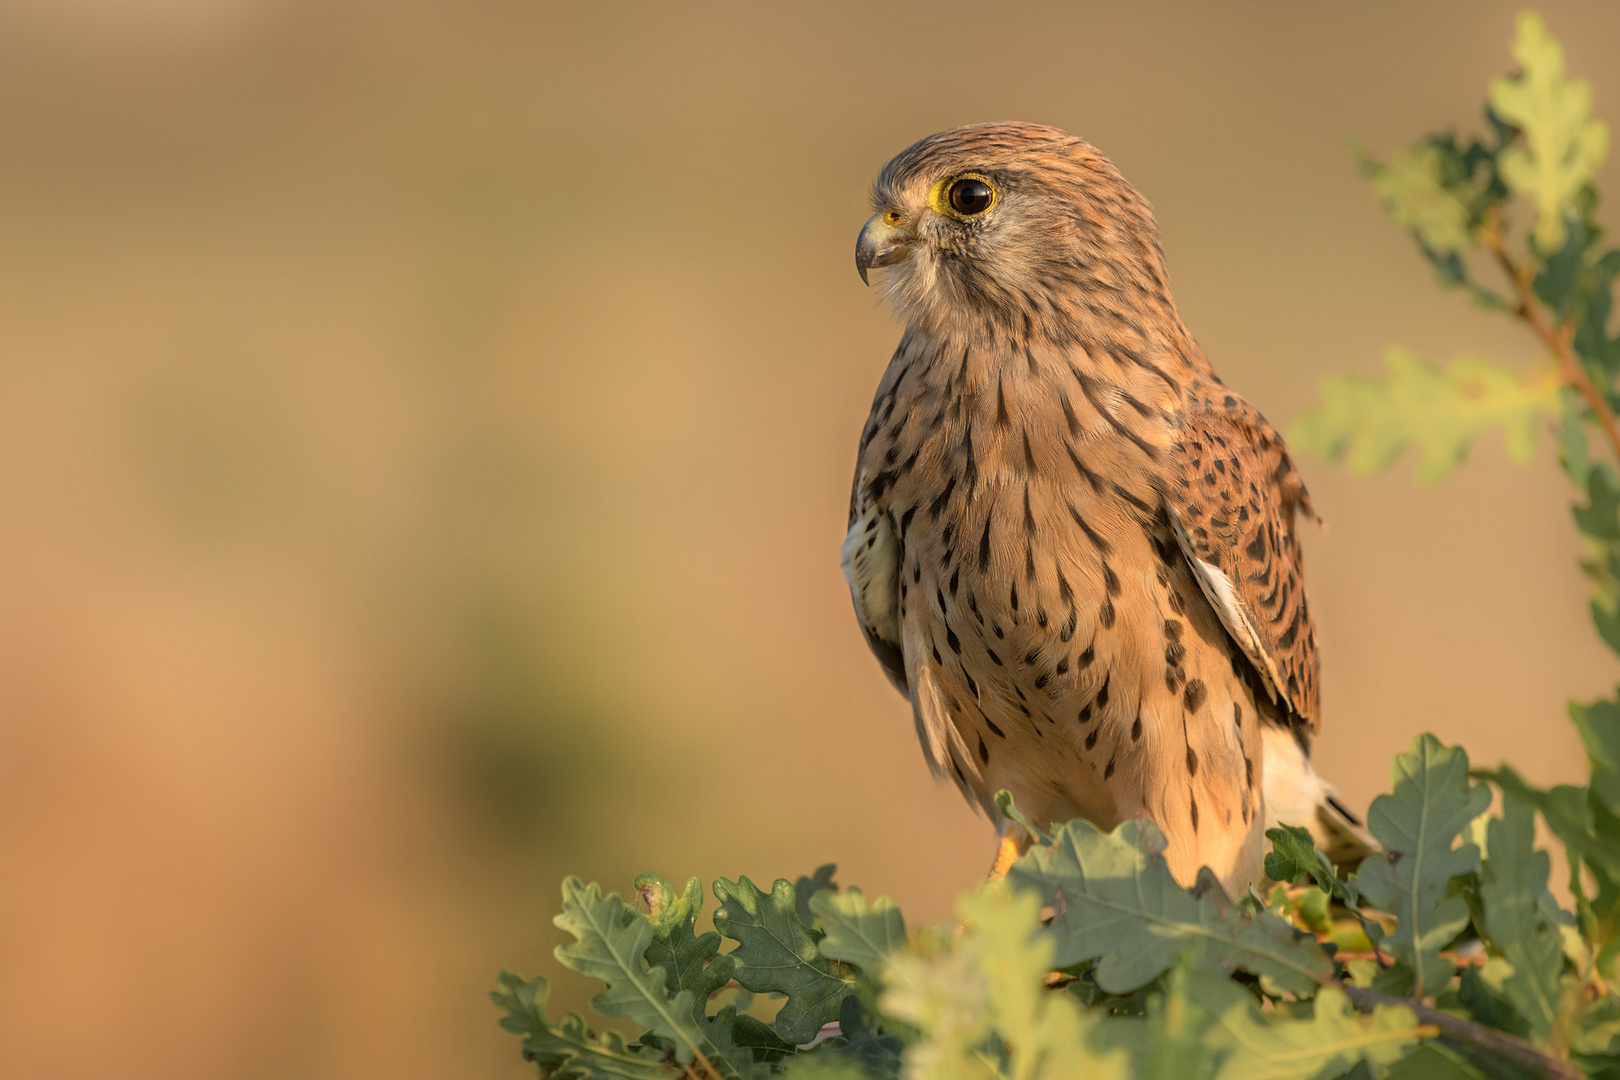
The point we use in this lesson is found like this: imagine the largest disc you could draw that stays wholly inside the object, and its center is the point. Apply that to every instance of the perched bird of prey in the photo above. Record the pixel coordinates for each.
(1070, 545)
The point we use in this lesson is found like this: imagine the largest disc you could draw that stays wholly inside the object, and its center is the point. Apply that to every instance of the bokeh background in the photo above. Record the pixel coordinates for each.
(425, 436)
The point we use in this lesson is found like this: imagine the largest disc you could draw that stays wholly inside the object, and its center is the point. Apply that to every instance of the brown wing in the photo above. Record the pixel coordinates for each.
(871, 561)
(1232, 497)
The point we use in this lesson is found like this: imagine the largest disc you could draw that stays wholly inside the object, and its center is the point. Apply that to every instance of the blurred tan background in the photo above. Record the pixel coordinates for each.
(425, 431)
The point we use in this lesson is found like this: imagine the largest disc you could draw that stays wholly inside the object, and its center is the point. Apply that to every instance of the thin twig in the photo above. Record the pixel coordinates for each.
(1557, 339)
(700, 1060)
(1500, 1043)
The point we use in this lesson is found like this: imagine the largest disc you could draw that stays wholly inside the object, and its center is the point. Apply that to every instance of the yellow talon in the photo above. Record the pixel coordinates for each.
(1014, 842)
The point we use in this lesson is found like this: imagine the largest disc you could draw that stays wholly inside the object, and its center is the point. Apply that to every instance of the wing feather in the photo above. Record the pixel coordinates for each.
(871, 561)
(1232, 499)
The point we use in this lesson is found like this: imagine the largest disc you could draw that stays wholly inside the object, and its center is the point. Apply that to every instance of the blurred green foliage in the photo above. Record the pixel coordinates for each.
(1561, 144)
(1443, 955)
(518, 741)
(1369, 423)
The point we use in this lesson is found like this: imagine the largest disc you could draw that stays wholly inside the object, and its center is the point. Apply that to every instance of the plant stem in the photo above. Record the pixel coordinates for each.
(699, 1060)
(1557, 339)
(1500, 1043)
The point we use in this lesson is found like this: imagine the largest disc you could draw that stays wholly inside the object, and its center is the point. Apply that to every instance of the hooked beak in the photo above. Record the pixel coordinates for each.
(881, 244)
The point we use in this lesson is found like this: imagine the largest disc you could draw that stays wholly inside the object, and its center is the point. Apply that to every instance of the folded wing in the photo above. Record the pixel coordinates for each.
(1232, 498)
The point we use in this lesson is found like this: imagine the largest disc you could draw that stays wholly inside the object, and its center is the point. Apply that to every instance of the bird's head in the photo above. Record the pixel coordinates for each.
(1013, 230)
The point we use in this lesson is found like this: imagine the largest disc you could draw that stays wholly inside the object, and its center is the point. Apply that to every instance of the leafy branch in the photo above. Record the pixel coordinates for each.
(1510, 1049)
(1559, 340)
(1088, 960)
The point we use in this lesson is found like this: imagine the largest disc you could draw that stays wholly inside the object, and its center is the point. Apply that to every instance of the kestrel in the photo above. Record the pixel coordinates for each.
(1070, 545)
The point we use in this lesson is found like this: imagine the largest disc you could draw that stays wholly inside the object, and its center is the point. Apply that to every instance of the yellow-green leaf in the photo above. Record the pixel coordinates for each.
(1069, 1035)
(944, 996)
(1414, 191)
(1260, 1047)
(1014, 957)
(858, 932)
(1369, 422)
(1563, 144)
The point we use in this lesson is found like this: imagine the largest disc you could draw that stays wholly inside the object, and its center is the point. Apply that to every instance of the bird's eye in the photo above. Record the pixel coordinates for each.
(970, 195)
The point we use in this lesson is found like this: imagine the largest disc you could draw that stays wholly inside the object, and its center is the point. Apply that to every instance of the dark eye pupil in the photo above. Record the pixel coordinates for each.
(971, 196)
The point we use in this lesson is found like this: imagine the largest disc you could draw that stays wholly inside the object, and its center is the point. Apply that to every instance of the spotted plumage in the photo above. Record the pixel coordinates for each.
(1069, 544)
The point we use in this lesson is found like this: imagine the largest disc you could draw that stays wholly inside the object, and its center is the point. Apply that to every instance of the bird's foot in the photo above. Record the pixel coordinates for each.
(1015, 840)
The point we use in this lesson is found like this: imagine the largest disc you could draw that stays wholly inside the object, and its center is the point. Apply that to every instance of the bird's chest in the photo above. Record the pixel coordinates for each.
(1008, 615)
(1024, 499)
(1022, 547)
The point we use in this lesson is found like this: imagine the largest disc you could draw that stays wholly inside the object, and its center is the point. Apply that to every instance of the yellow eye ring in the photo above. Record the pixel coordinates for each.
(965, 196)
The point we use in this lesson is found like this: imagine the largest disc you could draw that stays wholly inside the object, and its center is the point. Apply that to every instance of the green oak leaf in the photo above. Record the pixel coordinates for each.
(1599, 727)
(1607, 624)
(1259, 1046)
(824, 1067)
(1599, 521)
(690, 961)
(1432, 803)
(1604, 606)
(759, 1038)
(1206, 1025)
(1436, 1061)
(1563, 144)
(1014, 958)
(1116, 903)
(1592, 341)
(979, 1003)
(942, 995)
(1069, 1036)
(739, 1046)
(1599, 1030)
(858, 933)
(866, 1041)
(776, 953)
(1512, 881)
(1418, 192)
(610, 946)
(569, 1051)
(1568, 811)
(1167, 1043)
(1600, 517)
(1479, 991)
(810, 884)
(1294, 855)
(1574, 446)
(1574, 282)
(1370, 422)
